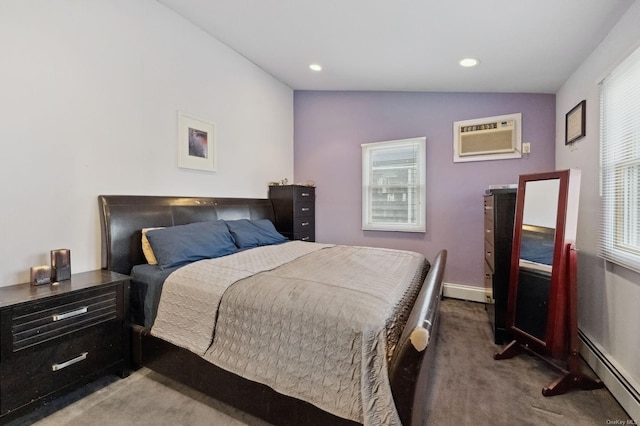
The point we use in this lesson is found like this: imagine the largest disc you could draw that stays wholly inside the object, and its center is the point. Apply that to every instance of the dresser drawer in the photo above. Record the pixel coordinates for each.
(307, 235)
(49, 319)
(489, 254)
(489, 224)
(304, 194)
(303, 224)
(35, 373)
(488, 281)
(303, 209)
(489, 234)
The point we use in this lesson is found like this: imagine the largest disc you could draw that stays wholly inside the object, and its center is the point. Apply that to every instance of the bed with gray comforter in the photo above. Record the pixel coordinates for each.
(328, 329)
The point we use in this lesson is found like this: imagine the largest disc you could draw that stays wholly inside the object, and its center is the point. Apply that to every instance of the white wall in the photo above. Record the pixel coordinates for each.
(89, 94)
(609, 295)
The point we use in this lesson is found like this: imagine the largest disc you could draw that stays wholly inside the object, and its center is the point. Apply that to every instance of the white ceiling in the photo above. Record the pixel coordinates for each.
(524, 45)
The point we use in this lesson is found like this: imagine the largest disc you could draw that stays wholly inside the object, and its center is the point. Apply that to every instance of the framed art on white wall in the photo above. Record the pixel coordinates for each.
(575, 123)
(196, 144)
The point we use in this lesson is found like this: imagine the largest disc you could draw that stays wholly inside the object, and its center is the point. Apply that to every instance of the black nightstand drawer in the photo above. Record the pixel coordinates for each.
(37, 373)
(39, 322)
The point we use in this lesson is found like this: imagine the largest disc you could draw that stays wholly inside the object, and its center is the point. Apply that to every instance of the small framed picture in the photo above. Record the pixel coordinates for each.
(575, 122)
(196, 144)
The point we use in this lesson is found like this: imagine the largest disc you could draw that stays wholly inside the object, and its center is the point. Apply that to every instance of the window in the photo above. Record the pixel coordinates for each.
(620, 164)
(393, 185)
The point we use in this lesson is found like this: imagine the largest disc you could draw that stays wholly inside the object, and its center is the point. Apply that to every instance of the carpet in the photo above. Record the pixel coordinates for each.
(471, 388)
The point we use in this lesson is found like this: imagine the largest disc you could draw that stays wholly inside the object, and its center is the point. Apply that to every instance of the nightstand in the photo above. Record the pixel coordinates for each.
(54, 338)
(294, 207)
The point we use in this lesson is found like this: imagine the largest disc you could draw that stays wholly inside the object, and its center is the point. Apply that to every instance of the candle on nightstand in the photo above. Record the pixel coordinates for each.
(40, 275)
(60, 264)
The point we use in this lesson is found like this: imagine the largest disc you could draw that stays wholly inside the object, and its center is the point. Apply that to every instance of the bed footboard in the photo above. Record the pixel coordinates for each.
(410, 365)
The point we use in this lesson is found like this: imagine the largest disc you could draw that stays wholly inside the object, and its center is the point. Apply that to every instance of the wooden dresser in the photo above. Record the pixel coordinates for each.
(499, 210)
(294, 207)
(57, 337)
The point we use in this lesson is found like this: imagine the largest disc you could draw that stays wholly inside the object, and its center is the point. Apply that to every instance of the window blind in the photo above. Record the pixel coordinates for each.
(620, 164)
(393, 185)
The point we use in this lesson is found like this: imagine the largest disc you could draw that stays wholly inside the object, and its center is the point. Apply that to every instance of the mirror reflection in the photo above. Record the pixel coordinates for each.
(537, 244)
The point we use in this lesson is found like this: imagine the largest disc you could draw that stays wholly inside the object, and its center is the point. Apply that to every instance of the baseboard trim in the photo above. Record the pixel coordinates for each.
(464, 292)
(624, 389)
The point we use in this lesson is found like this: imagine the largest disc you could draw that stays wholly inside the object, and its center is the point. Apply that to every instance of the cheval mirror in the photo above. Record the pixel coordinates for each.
(542, 301)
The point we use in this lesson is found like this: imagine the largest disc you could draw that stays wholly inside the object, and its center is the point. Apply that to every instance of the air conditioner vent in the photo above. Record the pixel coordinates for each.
(487, 138)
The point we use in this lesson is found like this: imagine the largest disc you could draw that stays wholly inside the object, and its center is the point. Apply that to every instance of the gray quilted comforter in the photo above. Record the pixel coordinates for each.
(313, 321)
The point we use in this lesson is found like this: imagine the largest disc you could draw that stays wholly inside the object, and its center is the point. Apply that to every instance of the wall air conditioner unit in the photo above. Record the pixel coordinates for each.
(490, 138)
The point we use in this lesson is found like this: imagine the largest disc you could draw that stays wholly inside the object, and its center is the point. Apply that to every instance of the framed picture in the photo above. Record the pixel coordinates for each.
(575, 122)
(196, 144)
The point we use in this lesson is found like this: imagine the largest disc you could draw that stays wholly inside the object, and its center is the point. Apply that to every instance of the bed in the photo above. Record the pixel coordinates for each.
(366, 361)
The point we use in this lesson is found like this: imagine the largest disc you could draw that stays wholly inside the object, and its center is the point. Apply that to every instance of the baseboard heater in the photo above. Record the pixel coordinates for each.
(622, 389)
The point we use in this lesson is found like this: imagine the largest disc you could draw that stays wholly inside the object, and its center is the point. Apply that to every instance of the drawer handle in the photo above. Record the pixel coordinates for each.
(304, 239)
(58, 317)
(81, 357)
(305, 224)
(305, 209)
(488, 253)
(305, 194)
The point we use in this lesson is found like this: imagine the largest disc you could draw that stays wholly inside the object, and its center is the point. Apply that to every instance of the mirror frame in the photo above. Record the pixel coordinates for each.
(556, 337)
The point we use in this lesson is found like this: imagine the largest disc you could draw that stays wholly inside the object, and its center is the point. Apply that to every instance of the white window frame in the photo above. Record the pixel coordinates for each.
(620, 164)
(419, 212)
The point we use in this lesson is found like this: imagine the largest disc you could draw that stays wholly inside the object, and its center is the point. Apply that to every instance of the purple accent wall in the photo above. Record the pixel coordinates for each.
(330, 126)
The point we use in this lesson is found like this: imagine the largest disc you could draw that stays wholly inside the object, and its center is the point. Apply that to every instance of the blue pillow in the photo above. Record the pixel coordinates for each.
(254, 233)
(182, 244)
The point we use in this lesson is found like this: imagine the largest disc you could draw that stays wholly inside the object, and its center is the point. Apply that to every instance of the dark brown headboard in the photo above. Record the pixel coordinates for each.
(122, 218)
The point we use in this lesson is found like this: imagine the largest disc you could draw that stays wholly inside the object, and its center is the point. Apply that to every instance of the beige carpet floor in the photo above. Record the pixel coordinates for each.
(469, 388)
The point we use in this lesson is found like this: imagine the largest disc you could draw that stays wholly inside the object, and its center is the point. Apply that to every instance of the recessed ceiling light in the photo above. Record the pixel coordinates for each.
(469, 62)
(315, 67)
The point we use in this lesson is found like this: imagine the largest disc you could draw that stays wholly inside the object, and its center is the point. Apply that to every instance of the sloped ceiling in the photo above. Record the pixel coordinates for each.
(523, 45)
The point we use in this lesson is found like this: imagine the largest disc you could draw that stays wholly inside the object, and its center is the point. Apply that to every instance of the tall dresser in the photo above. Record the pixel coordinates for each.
(294, 207)
(499, 210)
